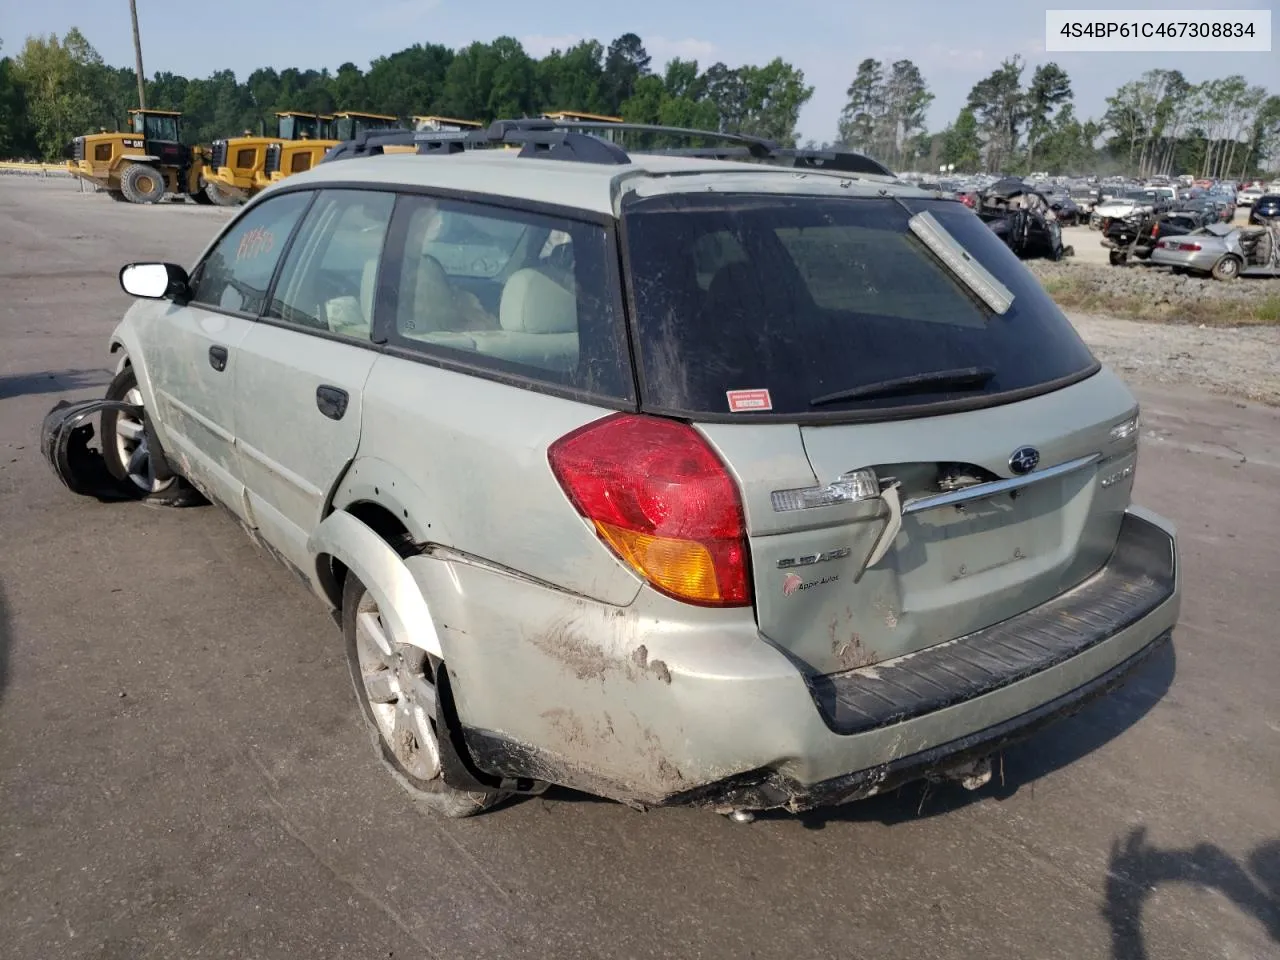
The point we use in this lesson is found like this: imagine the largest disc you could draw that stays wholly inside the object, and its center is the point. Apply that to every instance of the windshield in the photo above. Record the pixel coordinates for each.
(155, 128)
(807, 297)
(348, 128)
(298, 128)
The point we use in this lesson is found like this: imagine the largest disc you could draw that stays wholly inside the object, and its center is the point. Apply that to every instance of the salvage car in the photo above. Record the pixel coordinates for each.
(1265, 209)
(1223, 252)
(1023, 218)
(1136, 236)
(674, 480)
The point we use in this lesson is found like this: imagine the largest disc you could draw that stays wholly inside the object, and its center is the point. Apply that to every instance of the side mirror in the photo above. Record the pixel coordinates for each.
(155, 281)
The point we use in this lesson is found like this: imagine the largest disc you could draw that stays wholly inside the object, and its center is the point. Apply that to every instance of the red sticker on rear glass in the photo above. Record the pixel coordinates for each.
(744, 400)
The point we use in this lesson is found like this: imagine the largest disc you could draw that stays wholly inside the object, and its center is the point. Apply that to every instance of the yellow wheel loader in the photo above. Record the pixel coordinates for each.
(237, 166)
(143, 164)
(300, 146)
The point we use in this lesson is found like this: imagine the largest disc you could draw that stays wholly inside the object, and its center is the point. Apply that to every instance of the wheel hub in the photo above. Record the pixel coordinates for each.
(402, 699)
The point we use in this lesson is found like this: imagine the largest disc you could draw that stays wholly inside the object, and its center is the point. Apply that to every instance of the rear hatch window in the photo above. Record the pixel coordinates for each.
(819, 308)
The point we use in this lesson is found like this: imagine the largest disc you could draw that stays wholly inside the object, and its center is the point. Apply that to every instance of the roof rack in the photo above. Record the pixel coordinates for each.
(757, 146)
(552, 139)
(836, 161)
(372, 143)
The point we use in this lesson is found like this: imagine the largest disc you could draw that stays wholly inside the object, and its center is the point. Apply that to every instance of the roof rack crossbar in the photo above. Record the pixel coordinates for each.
(369, 143)
(758, 146)
(548, 140)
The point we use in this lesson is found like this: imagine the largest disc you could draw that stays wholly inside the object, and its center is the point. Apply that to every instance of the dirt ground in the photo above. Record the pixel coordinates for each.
(183, 773)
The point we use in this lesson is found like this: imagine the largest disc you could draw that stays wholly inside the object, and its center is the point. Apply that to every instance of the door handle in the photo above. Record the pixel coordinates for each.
(331, 401)
(218, 357)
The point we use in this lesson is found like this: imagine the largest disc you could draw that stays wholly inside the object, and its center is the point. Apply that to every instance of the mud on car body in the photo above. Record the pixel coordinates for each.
(675, 480)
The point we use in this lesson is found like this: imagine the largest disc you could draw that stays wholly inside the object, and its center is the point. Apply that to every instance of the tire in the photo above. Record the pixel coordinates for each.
(1117, 258)
(404, 676)
(121, 440)
(219, 197)
(201, 198)
(142, 183)
(1228, 268)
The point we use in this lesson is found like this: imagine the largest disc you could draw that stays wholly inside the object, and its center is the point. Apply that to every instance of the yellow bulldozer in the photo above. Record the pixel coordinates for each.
(144, 163)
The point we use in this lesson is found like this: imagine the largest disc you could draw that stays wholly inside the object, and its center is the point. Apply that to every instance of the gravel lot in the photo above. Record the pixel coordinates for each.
(1239, 362)
(184, 775)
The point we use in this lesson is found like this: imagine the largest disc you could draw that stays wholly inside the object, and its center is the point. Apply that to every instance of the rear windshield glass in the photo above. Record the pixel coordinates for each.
(805, 297)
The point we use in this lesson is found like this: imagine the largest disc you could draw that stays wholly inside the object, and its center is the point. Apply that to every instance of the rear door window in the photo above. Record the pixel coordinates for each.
(814, 296)
(528, 295)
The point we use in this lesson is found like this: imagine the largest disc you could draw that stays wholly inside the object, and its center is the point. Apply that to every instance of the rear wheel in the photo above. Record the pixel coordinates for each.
(1228, 268)
(395, 687)
(141, 183)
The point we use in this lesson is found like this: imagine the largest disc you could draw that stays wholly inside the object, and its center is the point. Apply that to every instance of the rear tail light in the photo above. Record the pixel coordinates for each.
(663, 501)
(1188, 247)
(1155, 230)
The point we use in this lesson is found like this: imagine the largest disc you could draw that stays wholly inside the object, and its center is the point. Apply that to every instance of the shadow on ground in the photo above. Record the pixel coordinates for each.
(31, 384)
(1137, 869)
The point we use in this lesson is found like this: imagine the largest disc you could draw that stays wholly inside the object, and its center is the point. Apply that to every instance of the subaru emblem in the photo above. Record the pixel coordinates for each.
(1024, 460)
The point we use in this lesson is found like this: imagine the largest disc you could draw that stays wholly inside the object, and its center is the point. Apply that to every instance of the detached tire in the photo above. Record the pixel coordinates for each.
(400, 706)
(127, 446)
(141, 183)
(1117, 258)
(1228, 268)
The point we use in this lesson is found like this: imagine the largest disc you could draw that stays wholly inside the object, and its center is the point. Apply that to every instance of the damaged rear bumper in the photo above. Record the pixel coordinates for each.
(772, 790)
(621, 703)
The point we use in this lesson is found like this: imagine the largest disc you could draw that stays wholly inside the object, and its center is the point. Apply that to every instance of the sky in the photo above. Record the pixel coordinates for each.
(954, 44)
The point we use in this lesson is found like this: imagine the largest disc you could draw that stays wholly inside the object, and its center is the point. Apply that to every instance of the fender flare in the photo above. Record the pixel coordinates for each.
(383, 573)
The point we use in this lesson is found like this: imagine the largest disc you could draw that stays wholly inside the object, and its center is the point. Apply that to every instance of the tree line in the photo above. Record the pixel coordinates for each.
(56, 88)
(1158, 124)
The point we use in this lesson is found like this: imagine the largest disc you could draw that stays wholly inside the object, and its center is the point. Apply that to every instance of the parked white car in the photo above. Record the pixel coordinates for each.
(1247, 196)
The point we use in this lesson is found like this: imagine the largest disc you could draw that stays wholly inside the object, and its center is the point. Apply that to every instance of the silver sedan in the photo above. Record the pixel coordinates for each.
(1222, 251)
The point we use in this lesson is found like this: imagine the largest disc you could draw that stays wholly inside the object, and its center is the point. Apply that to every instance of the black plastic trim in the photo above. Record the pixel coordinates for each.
(1138, 578)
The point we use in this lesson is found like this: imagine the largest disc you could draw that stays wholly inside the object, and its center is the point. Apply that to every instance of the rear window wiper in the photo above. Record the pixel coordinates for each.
(971, 378)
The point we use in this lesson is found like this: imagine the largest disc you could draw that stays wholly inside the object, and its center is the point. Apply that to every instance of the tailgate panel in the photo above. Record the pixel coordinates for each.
(952, 569)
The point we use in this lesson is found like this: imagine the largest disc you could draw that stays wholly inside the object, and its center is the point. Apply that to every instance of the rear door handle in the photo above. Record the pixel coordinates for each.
(331, 401)
(218, 357)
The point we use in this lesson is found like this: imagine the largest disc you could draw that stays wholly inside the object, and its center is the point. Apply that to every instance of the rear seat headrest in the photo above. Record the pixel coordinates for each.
(534, 303)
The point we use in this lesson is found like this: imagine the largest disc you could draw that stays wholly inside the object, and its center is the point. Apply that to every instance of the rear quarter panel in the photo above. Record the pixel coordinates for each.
(462, 461)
